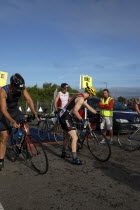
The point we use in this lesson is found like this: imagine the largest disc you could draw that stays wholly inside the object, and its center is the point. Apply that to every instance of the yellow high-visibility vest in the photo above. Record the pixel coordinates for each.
(104, 112)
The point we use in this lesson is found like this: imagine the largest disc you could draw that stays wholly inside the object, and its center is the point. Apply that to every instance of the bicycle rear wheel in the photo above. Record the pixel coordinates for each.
(58, 134)
(11, 150)
(130, 140)
(101, 151)
(36, 154)
(43, 130)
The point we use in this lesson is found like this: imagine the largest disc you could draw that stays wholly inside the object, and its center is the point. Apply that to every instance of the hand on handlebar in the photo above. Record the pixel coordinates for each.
(15, 125)
(55, 112)
(99, 115)
(85, 122)
(37, 117)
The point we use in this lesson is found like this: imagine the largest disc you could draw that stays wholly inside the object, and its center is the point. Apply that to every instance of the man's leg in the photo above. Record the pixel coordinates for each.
(103, 128)
(110, 128)
(66, 142)
(104, 132)
(111, 135)
(3, 143)
(74, 138)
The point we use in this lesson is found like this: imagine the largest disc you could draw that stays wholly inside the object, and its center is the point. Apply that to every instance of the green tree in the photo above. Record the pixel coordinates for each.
(122, 99)
(99, 93)
(43, 96)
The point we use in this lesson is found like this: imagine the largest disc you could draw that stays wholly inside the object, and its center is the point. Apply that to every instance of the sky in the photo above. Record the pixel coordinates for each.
(58, 40)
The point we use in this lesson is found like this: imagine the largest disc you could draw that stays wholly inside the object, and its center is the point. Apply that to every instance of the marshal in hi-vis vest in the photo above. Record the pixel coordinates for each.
(104, 112)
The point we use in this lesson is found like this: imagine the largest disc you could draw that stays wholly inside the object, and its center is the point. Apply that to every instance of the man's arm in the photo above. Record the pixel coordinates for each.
(78, 103)
(30, 102)
(100, 105)
(89, 107)
(106, 106)
(56, 100)
(137, 108)
(110, 105)
(3, 107)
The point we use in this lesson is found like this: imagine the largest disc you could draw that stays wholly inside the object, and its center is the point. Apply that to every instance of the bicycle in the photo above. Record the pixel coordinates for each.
(29, 146)
(101, 151)
(48, 129)
(129, 138)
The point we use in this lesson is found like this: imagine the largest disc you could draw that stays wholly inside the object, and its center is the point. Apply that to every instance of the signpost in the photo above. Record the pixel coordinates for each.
(3, 78)
(85, 81)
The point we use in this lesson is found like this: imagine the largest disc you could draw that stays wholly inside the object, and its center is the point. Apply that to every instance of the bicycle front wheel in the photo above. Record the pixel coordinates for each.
(36, 153)
(11, 150)
(43, 130)
(58, 134)
(98, 145)
(129, 139)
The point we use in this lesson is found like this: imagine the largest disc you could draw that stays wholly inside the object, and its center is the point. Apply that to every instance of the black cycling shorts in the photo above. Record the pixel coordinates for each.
(66, 122)
(5, 123)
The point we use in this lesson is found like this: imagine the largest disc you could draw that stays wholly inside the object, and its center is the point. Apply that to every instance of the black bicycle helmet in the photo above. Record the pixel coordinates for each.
(17, 82)
(64, 85)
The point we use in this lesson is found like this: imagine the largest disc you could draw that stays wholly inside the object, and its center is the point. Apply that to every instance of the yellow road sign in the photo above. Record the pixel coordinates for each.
(86, 81)
(3, 78)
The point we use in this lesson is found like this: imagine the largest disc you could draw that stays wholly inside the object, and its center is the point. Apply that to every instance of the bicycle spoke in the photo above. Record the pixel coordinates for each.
(11, 150)
(42, 130)
(101, 151)
(36, 153)
(130, 140)
(58, 134)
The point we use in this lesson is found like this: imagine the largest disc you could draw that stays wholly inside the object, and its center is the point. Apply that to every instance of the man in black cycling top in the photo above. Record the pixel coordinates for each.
(10, 115)
(66, 120)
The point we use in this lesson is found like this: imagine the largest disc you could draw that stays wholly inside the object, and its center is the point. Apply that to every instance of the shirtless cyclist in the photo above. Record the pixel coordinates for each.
(66, 120)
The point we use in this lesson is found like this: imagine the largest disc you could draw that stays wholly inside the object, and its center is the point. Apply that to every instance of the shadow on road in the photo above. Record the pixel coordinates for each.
(55, 146)
(120, 174)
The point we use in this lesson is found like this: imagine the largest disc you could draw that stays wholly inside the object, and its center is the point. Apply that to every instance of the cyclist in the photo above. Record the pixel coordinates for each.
(66, 120)
(62, 97)
(137, 106)
(9, 112)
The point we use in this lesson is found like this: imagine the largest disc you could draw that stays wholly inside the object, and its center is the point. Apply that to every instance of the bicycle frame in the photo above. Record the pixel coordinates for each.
(46, 120)
(30, 147)
(25, 129)
(101, 151)
(137, 130)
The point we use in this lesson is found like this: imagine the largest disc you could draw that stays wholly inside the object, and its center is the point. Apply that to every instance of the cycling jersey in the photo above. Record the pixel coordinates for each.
(66, 119)
(12, 99)
(70, 105)
(63, 99)
(12, 108)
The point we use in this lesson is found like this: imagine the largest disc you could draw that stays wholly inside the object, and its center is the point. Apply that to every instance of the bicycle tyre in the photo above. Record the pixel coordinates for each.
(43, 130)
(11, 150)
(58, 134)
(101, 151)
(81, 139)
(36, 154)
(129, 140)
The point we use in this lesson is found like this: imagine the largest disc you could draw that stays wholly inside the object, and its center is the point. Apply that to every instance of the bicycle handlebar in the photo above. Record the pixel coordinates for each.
(29, 118)
(47, 116)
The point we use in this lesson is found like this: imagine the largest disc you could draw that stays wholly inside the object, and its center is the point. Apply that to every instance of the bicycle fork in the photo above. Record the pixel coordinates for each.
(30, 146)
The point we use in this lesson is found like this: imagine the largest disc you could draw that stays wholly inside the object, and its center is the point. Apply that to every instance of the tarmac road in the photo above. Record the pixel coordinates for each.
(113, 185)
